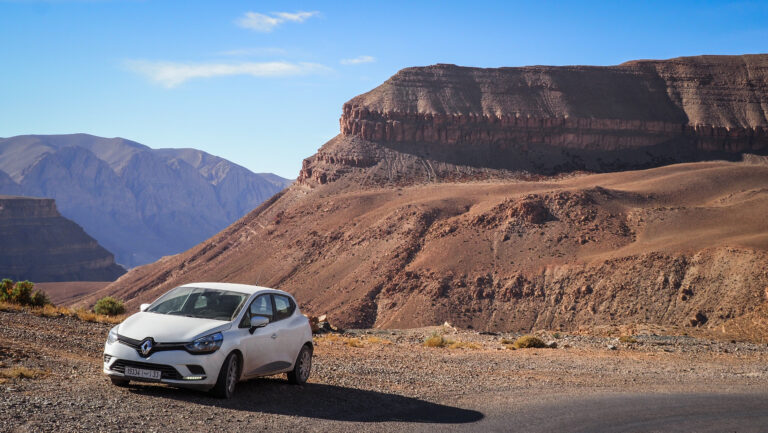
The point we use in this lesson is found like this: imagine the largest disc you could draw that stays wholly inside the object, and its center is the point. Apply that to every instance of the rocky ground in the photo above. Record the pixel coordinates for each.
(387, 380)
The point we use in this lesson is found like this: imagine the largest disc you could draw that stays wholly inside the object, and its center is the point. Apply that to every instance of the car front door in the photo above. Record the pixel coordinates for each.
(259, 347)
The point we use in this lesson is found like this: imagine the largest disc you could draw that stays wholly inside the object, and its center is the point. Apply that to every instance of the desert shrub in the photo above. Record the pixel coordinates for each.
(437, 340)
(353, 342)
(39, 299)
(529, 341)
(463, 345)
(378, 340)
(22, 373)
(627, 339)
(87, 316)
(109, 306)
(22, 293)
(6, 287)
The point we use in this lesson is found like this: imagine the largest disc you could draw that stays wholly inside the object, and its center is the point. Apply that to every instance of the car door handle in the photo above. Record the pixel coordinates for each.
(274, 336)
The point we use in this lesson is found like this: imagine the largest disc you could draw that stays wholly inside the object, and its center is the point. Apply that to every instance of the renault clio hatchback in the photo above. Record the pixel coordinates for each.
(210, 336)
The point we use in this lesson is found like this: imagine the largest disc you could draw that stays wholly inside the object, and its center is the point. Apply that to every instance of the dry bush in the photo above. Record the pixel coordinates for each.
(463, 345)
(22, 373)
(627, 339)
(437, 340)
(529, 341)
(353, 342)
(7, 306)
(377, 340)
(51, 310)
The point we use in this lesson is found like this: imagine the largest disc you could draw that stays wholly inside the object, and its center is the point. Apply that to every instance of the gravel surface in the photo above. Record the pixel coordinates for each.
(390, 383)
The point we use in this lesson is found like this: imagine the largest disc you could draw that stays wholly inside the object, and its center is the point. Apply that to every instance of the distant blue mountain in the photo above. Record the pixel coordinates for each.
(139, 203)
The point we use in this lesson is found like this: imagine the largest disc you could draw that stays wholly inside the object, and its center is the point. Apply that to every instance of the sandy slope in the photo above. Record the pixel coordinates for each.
(681, 245)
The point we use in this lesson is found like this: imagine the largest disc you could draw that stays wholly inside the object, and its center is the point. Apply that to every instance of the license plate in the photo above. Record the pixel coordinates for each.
(142, 373)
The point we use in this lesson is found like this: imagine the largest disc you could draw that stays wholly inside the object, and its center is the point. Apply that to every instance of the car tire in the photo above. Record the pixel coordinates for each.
(119, 382)
(229, 375)
(302, 367)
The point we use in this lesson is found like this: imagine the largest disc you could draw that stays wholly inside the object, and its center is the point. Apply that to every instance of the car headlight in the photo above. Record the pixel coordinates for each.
(112, 337)
(207, 344)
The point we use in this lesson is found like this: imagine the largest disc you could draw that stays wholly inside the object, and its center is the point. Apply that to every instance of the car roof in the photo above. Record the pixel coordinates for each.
(242, 288)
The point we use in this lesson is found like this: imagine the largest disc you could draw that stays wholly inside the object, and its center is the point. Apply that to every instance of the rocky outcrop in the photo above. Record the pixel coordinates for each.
(550, 120)
(138, 202)
(40, 245)
(388, 225)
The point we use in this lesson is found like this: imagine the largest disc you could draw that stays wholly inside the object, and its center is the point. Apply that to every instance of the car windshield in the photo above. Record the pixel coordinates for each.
(200, 303)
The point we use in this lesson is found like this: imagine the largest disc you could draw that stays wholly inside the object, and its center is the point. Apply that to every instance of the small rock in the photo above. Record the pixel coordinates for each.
(611, 347)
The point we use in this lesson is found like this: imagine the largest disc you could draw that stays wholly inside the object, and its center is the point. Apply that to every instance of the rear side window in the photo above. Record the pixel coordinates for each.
(284, 307)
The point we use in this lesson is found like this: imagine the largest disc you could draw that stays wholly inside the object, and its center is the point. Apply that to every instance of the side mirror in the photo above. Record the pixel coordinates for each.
(143, 307)
(258, 322)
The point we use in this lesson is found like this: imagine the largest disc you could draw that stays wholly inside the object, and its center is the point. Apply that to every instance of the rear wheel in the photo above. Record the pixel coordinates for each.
(303, 366)
(228, 377)
(119, 382)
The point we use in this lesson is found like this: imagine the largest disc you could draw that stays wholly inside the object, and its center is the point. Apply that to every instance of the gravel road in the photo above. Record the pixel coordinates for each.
(393, 383)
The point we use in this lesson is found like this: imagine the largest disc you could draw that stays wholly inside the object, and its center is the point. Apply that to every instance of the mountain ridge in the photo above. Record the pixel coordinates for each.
(137, 201)
(517, 224)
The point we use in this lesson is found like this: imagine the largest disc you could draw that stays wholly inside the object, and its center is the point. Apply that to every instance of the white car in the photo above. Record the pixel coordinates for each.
(209, 336)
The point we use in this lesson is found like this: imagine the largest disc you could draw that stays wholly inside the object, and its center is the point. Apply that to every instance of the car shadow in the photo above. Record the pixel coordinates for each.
(330, 402)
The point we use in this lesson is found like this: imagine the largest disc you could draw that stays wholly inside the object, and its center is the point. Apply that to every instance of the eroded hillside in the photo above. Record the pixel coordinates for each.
(386, 233)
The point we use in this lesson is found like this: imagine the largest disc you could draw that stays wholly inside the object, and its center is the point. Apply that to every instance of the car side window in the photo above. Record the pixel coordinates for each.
(261, 306)
(284, 307)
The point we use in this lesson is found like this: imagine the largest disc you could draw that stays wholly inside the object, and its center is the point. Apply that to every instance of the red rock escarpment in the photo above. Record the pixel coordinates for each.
(558, 119)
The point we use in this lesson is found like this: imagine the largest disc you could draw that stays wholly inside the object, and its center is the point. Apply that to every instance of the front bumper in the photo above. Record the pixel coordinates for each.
(177, 367)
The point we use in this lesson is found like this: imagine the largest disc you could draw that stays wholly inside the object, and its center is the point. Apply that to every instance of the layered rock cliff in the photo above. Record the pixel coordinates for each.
(550, 120)
(40, 245)
(393, 224)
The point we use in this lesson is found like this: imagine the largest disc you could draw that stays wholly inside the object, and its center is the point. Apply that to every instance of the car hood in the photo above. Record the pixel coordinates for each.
(164, 328)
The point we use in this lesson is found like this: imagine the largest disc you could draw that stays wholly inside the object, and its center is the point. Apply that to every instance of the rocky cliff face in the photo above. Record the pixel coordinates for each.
(138, 202)
(550, 120)
(394, 223)
(40, 245)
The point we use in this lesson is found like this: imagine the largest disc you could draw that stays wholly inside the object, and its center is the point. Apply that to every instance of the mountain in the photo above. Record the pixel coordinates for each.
(518, 199)
(41, 245)
(138, 202)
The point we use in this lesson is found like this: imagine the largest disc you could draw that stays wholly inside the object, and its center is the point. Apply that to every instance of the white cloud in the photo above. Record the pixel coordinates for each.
(358, 60)
(266, 23)
(258, 51)
(171, 74)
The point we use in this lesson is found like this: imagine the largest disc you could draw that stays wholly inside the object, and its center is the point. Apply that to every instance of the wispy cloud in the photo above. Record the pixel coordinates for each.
(266, 23)
(171, 74)
(257, 51)
(358, 60)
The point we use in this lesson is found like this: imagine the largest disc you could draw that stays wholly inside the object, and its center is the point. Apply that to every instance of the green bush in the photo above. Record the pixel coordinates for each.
(6, 287)
(39, 299)
(22, 293)
(109, 306)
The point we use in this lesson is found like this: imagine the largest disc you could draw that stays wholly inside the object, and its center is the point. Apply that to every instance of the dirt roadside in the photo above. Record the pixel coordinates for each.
(389, 383)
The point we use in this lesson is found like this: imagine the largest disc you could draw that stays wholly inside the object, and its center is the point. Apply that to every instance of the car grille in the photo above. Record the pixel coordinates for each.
(167, 372)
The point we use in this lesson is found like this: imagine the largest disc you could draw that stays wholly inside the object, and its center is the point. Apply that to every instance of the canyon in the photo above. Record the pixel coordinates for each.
(513, 199)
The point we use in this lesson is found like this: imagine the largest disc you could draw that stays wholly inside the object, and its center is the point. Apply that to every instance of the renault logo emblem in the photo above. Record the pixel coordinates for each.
(146, 347)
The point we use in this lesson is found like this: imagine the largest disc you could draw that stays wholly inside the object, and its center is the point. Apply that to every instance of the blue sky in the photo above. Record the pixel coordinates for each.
(262, 83)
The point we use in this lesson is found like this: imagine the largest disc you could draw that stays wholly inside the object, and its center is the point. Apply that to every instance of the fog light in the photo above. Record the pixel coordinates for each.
(194, 377)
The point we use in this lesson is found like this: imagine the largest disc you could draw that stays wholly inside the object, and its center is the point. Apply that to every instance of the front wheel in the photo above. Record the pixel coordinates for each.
(228, 377)
(301, 369)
